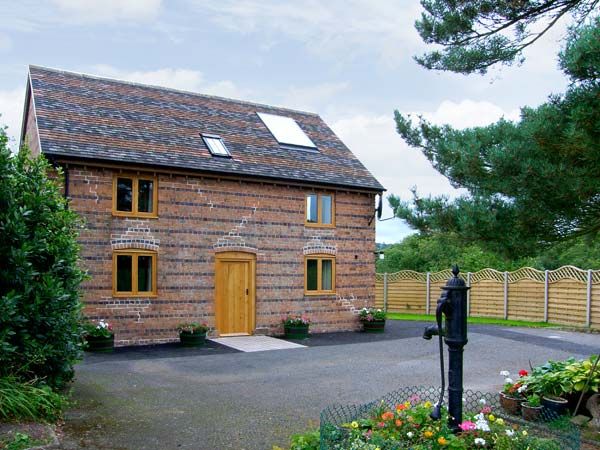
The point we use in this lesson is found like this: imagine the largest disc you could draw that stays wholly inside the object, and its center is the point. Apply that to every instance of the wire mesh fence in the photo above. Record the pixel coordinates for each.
(561, 434)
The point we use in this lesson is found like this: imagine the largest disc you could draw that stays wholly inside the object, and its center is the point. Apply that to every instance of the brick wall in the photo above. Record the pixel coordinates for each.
(201, 216)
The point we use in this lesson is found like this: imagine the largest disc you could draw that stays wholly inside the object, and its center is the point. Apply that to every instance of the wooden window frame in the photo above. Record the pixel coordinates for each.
(319, 223)
(319, 258)
(135, 178)
(134, 253)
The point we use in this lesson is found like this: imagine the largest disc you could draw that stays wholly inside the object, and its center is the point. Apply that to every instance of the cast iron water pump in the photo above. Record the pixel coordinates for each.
(452, 304)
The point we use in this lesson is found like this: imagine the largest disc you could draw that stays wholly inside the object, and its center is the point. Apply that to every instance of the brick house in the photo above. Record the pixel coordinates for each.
(200, 208)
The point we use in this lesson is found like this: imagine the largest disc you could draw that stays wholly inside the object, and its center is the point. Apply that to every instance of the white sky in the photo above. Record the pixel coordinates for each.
(350, 61)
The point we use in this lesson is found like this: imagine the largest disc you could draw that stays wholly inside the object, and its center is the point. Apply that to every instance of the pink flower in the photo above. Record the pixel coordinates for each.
(467, 425)
(486, 410)
(381, 424)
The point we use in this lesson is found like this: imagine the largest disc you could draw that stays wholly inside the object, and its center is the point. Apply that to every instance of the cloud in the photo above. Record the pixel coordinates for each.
(311, 98)
(176, 78)
(108, 11)
(374, 140)
(337, 29)
(11, 113)
(468, 113)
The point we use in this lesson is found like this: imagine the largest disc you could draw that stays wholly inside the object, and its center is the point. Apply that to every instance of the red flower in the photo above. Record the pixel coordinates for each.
(381, 424)
(523, 373)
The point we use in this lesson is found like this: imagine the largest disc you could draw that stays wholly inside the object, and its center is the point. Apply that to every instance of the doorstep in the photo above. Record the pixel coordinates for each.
(256, 343)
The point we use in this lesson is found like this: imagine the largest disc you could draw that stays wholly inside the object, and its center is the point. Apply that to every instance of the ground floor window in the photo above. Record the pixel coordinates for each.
(319, 274)
(134, 273)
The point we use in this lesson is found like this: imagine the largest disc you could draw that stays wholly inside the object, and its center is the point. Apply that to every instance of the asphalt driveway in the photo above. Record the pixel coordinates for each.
(215, 398)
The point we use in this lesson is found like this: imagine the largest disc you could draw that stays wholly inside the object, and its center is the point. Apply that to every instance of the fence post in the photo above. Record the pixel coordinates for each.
(505, 295)
(385, 292)
(468, 294)
(588, 311)
(546, 296)
(427, 295)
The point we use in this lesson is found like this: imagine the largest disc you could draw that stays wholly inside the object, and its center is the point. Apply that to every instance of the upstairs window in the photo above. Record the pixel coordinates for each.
(286, 131)
(135, 195)
(215, 145)
(320, 210)
(134, 273)
(319, 274)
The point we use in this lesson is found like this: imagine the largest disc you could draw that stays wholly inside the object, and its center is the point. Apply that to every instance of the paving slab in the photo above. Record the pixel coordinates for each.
(256, 343)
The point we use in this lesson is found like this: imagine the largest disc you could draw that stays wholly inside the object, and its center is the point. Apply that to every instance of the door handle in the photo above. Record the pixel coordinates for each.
(246, 291)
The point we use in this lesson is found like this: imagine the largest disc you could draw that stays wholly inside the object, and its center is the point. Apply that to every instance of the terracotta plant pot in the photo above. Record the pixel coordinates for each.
(296, 331)
(531, 413)
(192, 339)
(556, 406)
(374, 326)
(511, 405)
(100, 344)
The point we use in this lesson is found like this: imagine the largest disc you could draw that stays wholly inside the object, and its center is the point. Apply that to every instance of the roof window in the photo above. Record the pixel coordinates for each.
(286, 130)
(215, 145)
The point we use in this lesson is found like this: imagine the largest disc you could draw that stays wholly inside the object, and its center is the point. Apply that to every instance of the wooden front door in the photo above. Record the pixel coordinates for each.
(234, 293)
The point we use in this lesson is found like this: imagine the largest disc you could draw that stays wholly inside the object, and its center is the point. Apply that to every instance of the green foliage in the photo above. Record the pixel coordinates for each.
(475, 35)
(20, 441)
(439, 251)
(40, 334)
(29, 401)
(530, 183)
(558, 378)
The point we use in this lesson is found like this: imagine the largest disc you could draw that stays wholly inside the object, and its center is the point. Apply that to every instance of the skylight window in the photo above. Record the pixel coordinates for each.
(286, 130)
(215, 145)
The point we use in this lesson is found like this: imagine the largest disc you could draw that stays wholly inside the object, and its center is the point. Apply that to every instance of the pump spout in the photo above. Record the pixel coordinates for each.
(430, 331)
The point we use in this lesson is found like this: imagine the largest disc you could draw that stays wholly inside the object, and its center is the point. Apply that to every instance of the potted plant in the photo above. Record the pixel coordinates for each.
(551, 380)
(512, 394)
(372, 319)
(531, 409)
(99, 337)
(192, 334)
(296, 327)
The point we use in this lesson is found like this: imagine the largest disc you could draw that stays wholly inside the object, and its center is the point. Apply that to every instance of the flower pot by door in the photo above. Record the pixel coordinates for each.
(192, 339)
(374, 326)
(296, 332)
(511, 405)
(556, 406)
(100, 344)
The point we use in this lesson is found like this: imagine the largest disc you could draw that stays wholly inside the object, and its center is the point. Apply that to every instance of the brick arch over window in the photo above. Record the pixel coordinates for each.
(140, 244)
(316, 246)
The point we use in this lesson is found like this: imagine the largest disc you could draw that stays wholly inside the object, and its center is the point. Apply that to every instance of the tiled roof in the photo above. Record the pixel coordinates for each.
(85, 117)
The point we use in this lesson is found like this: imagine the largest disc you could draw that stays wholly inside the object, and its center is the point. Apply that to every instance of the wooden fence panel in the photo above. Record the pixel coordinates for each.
(407, 296)
(595, 310)
(487, 299)
(526, 300)
(379, 293)
(567, 302)
(434, 292)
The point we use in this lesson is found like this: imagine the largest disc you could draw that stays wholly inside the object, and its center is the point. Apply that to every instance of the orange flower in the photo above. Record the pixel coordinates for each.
(388, 415)
(401, 407)
(399, 423)
(427, 434)
(442, 440)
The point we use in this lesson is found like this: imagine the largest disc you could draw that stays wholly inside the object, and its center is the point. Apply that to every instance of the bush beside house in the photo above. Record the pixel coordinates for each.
(40, 330)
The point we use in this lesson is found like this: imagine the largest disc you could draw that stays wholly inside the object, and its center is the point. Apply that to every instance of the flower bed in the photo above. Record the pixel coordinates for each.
(401, 420)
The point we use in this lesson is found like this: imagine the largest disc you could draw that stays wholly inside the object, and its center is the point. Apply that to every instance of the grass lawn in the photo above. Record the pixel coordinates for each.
(480, 320)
